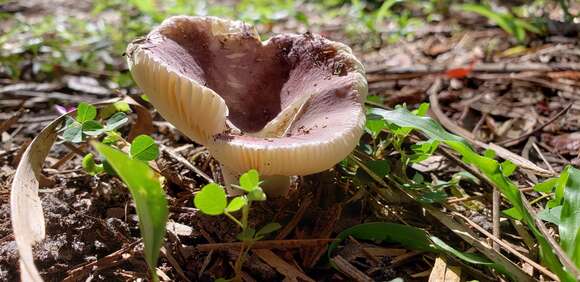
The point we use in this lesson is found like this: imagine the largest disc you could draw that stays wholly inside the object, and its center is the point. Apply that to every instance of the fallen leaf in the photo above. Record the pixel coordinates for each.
(443, 272)
(460, 72)
(25, 207)
(566, 143)
(289, 271)
(86, 84)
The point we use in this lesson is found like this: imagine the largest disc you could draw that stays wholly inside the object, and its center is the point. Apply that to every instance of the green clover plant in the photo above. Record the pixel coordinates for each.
(212, 200)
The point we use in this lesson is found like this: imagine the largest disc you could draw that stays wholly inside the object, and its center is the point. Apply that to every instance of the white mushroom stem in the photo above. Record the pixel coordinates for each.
(273, 185)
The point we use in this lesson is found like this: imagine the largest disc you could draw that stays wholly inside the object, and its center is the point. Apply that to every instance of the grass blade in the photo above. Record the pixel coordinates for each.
(490, 168)
(569, 226)
(149, 199)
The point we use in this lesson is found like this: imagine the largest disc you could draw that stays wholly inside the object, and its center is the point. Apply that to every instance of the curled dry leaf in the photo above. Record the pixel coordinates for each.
(25, 206)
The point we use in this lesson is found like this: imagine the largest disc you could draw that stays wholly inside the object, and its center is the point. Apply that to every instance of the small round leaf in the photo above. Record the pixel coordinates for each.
(86, 112)
(236, 204)
(250, 180)
(144, 148)
(211, 200)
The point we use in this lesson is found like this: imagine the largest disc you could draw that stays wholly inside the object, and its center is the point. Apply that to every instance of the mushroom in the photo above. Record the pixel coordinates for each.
(291, 105)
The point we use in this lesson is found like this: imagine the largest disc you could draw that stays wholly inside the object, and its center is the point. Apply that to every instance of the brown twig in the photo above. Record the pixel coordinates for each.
(349, 270)
(174, 263)
(480, 67)
(454, 128)
(295, 220)
(496, 196)
(105, 262)
(514, 141)
(568, 264)
(459, 229)
(268, 244)
(283, 267)
(507, 247)
(186, 163)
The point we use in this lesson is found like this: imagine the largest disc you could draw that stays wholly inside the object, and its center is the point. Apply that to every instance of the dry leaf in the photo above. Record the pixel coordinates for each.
(289, 271)
(443, 272)
(566, 143)
(25, 207)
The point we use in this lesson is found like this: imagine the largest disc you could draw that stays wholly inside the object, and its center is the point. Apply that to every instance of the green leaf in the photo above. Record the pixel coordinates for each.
(246, 235)
(559, 190)
(433, 197)
(92, 128)
(375, 99)
(148, 7)
(379, 167)
(86, 112)
(111, 109)
(236, 204)
(468, 257)
(423, 150)
(111, 138)
(508, 168)
(144, 148)
(401, 117)
(421, 110)
(250, 180)
(570, 217)
(499, 19)
(547, 186)
(257, 195)
(489, 153)
(374, 127)
(464, 175)
(149, 197)
(73, 133)
(90, 166)
(211, 200)
(116, 121)
(553, 215)
(108, 168)
(384, 10)
(513, 213)
(409, 237)
(268, 228)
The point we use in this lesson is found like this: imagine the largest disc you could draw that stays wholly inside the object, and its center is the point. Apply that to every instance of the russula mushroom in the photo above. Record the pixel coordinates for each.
(291, 105)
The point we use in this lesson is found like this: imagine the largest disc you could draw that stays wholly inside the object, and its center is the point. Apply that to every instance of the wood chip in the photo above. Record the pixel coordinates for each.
(385, 252)
(443, 272)
(289, 271)
(349, 270)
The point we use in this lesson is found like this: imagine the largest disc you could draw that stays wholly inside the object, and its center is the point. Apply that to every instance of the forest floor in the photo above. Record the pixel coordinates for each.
(481, 83)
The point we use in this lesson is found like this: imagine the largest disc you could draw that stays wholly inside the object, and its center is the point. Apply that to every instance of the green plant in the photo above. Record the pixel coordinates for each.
(408, 236)
(143, 182)
(497, 173)
(150, 201)
(564, 209)
(507, 21)
(212, 200)
(85, 124)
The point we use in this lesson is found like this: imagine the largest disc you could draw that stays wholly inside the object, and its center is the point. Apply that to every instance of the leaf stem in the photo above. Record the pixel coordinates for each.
(234, 220)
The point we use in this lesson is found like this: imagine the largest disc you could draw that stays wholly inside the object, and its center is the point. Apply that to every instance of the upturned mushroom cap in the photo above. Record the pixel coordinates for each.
(292, 105)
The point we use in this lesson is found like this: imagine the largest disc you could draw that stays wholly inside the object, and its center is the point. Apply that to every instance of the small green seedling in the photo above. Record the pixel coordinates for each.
(84, 124)
(212, 200)
(144, 183)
